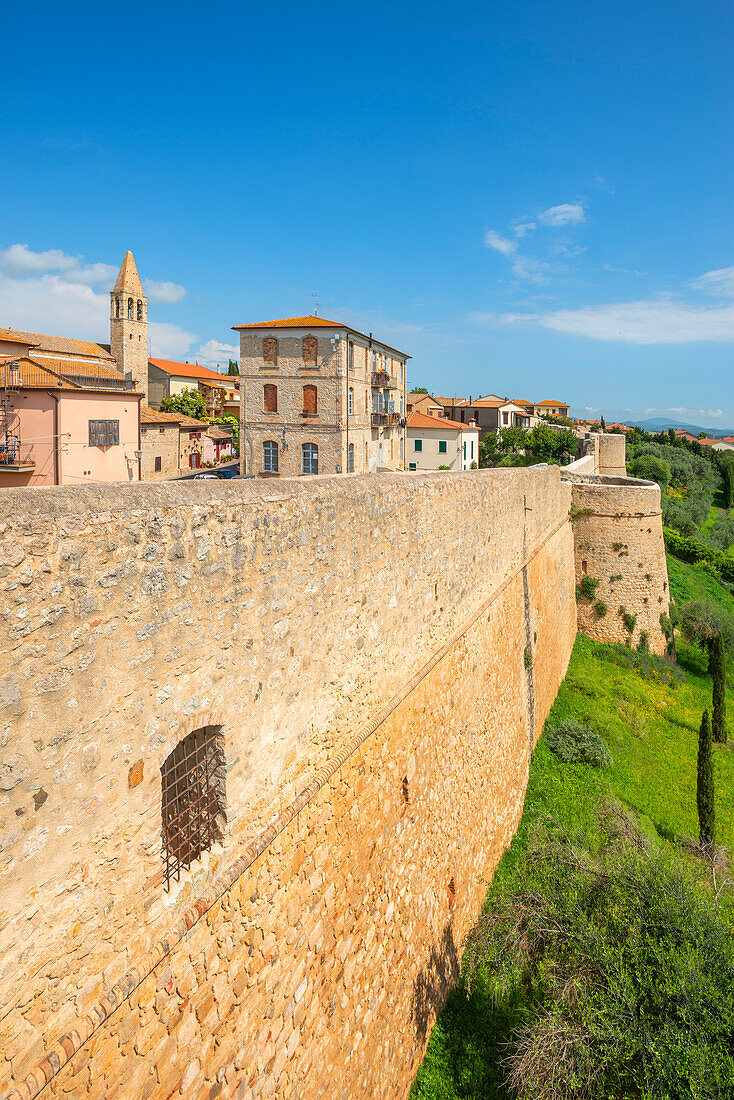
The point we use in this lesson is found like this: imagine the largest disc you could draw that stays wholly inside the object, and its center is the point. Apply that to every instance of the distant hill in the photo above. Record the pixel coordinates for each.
(659, 423)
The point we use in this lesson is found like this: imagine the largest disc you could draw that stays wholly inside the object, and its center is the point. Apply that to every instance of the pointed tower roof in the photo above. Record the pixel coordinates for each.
(128, 280)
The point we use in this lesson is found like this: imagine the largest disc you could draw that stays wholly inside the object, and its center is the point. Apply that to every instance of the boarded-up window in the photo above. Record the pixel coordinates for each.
(270, 351)
(270, 398)
(193, 800)
(309, 350)
(310, 406)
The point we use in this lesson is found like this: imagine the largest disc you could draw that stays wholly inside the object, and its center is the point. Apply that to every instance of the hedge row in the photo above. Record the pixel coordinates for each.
(693, 550)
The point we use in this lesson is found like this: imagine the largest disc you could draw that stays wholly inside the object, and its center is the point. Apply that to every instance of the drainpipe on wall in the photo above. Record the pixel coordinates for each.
(57, 462)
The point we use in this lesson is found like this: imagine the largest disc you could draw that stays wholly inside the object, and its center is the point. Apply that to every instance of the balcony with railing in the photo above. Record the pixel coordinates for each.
(380, 378)
(385, 419)
(16, 456)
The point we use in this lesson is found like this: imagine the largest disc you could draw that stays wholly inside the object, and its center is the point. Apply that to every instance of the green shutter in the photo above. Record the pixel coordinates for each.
(418, 444)
(442, 446)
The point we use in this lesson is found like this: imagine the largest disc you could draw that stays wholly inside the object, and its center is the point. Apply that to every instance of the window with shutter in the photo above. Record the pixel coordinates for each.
(270, 398)
(310, 401)
(270, 351)
(309, 350)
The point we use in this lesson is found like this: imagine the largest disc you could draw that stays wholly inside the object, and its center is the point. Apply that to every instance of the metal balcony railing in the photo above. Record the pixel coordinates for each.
(385, 418)
(380, 378)
(16, 456)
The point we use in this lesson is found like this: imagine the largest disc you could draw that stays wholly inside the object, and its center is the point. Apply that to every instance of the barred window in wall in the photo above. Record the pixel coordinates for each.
(104, 433)
(193, 805)
(140, 310)
(270, 398)
(270, 456)
(158, 464)
(350, 404)
(310, 458)
(350, 459)
(309, 350)
(270, 351)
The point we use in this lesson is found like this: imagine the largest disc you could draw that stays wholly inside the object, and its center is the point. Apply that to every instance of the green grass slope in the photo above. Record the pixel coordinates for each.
(651, 727)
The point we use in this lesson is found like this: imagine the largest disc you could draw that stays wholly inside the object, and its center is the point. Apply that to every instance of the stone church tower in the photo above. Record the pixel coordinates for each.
(129, 325)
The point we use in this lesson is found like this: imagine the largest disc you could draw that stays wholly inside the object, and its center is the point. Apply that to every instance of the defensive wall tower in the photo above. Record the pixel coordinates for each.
(619, 551)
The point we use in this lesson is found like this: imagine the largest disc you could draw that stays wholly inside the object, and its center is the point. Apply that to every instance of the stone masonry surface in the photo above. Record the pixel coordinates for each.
(362, 643)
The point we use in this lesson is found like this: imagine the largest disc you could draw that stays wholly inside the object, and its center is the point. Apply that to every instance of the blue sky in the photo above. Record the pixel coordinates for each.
(533, 200)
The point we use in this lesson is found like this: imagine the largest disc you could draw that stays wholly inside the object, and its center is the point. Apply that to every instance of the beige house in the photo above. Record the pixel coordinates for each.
(319, 397)
(436, 443)
(167, 378)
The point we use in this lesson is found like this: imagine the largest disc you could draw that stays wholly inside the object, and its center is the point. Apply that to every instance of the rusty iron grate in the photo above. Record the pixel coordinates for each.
(193, 805)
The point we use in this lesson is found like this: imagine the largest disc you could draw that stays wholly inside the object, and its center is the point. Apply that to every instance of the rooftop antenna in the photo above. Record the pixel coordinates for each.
(315, 297)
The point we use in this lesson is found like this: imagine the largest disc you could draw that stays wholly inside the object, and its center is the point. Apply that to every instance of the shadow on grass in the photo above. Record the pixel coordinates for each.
(468, 1045)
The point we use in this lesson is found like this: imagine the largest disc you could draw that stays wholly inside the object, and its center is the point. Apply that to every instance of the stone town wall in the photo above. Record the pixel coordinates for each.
(618, 540)
(380, 672)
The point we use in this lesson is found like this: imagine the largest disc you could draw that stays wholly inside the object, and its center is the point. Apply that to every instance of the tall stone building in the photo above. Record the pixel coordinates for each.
(319, 397)
(129, 325)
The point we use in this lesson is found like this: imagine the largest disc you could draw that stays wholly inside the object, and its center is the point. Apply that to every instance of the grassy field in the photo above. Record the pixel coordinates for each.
(651, 728)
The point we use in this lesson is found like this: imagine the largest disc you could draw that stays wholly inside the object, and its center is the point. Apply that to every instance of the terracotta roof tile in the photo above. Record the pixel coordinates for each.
(155, 416)
(43, 342)
(294, 322)
(33, 376)
(422, 420)
(86, 368)
(564, 403)
(187, 370)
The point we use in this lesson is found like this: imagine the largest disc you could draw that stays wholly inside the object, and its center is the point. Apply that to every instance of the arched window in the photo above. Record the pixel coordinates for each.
(310, 401)
(270, 398)
(270, 456)
(193, 804)
(310, 458)
(309, 350)
(117, 307)
(140, 310)
(350, 459)
(350, 404)
(270, 351)
(130, 309)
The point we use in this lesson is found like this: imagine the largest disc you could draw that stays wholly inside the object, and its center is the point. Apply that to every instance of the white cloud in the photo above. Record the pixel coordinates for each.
(499, 243)
(214, 353)
(18, 260)
(653, 321)
(720, 282)
(522, 229)
(169, 341)
(165, 293)
(568, 213)
(534, 270)
(56, 305)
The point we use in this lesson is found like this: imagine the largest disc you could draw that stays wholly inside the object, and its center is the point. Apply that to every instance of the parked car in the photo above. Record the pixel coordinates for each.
(205, 477)
(228, 471)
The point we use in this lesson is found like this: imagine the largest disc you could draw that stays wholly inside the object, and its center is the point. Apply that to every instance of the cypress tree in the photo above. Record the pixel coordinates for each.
(705, 785)
(718, 672)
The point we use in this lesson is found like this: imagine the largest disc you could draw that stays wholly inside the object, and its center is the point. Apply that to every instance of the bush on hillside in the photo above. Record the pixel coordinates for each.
(623, 965)
(720, 534)
(575, 743)
(697, 552)
(651, 469)
(649, 665)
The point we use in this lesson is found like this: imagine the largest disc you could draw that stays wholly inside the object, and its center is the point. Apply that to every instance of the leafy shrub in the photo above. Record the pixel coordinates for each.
(601, 608)
(527, 658)
(629, 620)
(576, 743)
(623, 966)
(643, 644)
(651, 469)
(615, 577)
(587, 588)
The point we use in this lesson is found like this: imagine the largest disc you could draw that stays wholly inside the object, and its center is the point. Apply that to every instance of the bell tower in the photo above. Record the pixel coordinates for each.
(129, 325)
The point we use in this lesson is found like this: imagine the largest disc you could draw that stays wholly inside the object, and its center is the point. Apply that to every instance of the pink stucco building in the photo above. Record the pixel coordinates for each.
(64, 429)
